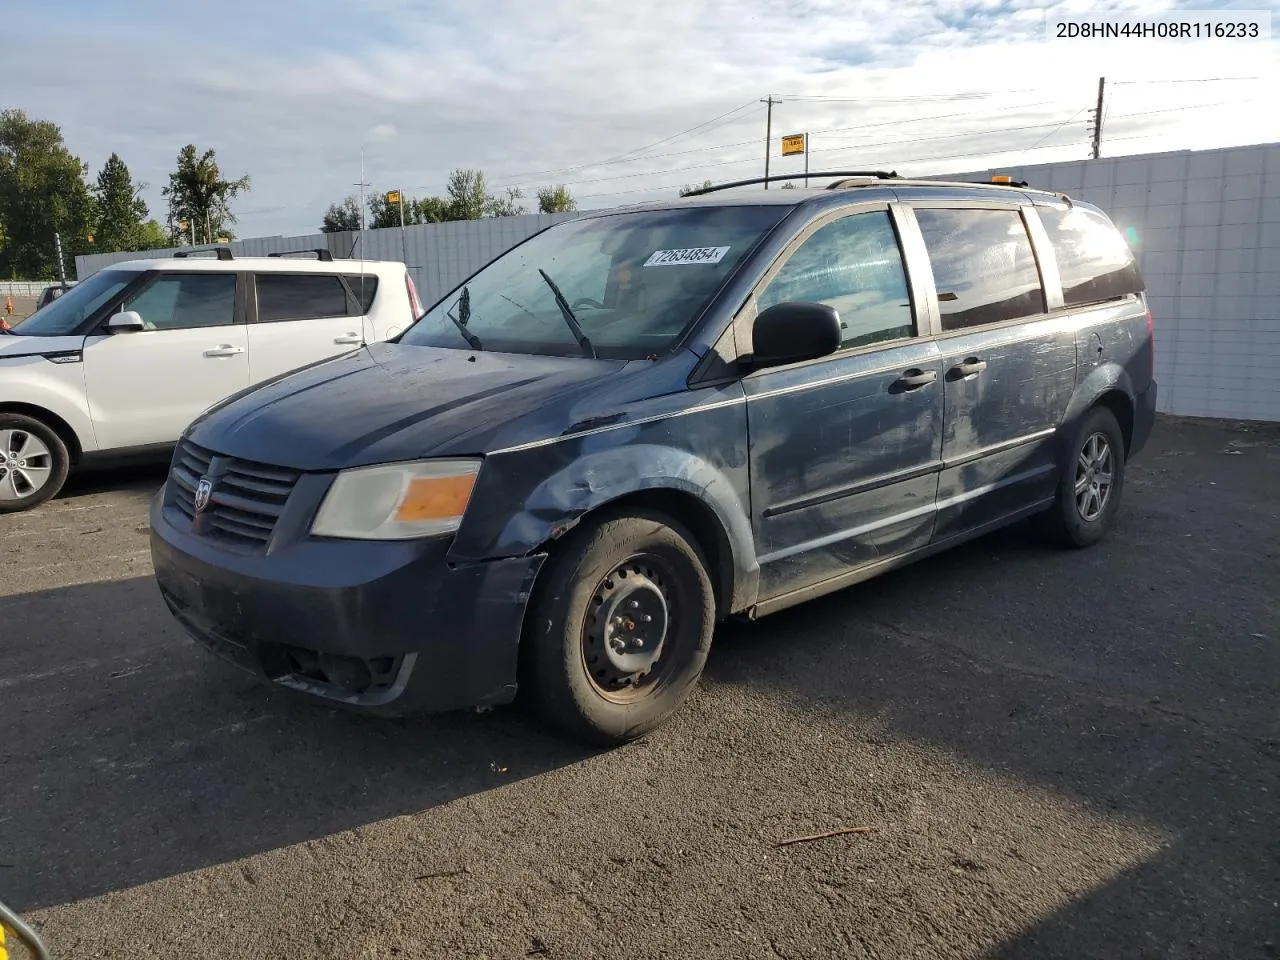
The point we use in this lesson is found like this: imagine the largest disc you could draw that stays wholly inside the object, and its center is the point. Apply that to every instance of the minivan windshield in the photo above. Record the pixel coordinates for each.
(65, 315)
(621, 286)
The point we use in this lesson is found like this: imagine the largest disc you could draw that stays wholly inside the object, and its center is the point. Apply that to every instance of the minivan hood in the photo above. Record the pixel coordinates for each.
(388, 402)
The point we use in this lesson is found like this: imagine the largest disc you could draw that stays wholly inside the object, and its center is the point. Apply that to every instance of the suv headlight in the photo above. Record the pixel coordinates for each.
(397, 501)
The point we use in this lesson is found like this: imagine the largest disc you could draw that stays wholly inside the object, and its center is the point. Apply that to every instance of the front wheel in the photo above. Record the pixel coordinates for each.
(33, 462)
(1089, 492)
(620, 629)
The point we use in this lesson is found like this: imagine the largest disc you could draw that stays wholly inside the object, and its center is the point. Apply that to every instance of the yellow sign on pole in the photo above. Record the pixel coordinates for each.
(793, 144)
(393, 196)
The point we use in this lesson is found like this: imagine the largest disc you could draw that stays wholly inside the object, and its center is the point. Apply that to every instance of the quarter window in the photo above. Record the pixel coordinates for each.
(364, 287)
(177, 301)
(854, 265)
(300, 296)
(983, 266)
(1093, 260)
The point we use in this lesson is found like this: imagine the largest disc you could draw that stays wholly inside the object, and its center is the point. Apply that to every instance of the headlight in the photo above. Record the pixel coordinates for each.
(397, 501)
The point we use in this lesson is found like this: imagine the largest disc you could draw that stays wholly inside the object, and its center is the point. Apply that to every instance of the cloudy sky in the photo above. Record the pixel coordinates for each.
(620, 101)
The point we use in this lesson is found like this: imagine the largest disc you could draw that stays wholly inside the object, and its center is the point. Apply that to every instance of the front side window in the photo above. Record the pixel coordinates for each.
(983, 266)
(854, 265)
(300, 296)
(631, 282)
(178, 301)
(1093, 260)
(64, 315)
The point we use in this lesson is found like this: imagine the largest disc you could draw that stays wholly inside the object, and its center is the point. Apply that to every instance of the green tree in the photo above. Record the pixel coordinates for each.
(508, 205)
(120, 210)
(556, 200)
(468, 195)
(199, 195)
(424, 210)
(153, 236)
(686, 190)
(342, 216)
(42, 192)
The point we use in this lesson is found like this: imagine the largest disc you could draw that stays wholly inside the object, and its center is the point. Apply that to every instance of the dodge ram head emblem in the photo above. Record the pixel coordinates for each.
(204, 489)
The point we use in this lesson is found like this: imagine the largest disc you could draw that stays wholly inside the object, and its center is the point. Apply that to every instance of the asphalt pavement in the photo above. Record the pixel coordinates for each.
(1057, 754)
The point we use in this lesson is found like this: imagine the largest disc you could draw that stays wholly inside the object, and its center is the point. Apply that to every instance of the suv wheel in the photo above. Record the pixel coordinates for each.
(1092, 482)
(620, 629)
(33, 462)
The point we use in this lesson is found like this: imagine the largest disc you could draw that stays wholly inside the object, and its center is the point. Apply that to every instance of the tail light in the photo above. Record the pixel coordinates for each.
(415, 305)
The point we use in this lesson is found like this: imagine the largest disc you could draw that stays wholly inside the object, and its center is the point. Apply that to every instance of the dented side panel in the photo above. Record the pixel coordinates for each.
(693, 443)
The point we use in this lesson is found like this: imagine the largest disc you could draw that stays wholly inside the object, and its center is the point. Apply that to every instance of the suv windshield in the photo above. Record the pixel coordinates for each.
(64, 315)
(632, 283)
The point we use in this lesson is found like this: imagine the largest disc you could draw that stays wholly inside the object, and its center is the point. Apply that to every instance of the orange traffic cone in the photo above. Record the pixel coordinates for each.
(8, 304)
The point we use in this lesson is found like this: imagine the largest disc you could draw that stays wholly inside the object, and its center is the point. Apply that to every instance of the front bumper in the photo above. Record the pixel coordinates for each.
(390, 627)
(1144, 419)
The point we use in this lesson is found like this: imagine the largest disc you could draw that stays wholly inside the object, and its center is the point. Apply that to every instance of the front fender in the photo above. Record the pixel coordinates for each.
(527, 498)
(35, 381)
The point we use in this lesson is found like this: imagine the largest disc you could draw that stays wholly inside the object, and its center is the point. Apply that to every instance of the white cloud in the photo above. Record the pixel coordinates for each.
(536, 93)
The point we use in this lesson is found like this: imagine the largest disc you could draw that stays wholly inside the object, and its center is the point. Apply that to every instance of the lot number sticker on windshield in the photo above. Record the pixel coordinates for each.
(669, 258)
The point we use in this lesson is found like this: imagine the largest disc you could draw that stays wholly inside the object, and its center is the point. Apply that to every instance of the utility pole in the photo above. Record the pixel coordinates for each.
(768, 134)
(1097, 120)
(57, 246)
(404, 248)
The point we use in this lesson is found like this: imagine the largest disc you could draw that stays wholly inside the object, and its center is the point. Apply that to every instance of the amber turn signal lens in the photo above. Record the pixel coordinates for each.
(436, 498)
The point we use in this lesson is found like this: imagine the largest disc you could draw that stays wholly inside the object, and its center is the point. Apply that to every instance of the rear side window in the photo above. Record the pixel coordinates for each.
(364, 287)
(300, 296)
(1093, 260)
(983, 266)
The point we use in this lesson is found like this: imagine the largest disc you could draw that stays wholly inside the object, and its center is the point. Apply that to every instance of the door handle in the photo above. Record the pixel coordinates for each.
(914, 379)
(971, 366)
(352, 338)
(223, 350)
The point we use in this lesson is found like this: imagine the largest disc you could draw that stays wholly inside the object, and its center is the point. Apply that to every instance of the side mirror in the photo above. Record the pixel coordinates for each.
(792, 332)
(126, 321)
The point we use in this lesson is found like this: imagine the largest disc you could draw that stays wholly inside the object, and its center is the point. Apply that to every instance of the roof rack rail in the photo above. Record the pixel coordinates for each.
(874, 174)
(320, 252)
(223, 253)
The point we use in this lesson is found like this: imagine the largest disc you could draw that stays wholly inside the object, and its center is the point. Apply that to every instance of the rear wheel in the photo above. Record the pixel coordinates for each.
(1089, 492)
(620, 630)
(33, 462)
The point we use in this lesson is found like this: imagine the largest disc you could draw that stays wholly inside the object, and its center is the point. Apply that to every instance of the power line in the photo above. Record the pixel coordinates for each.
(928, 159)
(628, 155)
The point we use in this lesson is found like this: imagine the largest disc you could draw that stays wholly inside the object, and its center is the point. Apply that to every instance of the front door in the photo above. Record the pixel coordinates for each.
(1009, 365)
(300, 318)
(144, 387)
(844, 450)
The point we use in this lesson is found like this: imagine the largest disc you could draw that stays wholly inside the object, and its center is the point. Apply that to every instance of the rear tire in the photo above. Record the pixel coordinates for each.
(1092, 483)
(33, 462)
(620, 628)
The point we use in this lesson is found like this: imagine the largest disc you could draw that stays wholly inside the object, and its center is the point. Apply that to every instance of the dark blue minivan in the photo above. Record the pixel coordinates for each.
(639, 422)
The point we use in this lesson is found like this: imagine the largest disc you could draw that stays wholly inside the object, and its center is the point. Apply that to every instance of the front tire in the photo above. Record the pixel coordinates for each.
(620, 628)
(33, 462)
(1092, 482)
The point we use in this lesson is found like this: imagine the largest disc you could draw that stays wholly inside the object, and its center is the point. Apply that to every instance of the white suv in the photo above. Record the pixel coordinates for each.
(118, 366)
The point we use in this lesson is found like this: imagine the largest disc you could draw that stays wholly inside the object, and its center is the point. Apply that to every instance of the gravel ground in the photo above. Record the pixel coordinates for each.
(1058, 754)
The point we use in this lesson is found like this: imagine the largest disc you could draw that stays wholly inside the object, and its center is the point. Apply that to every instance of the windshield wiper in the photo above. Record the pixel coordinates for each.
(464, 308)
(569, 318)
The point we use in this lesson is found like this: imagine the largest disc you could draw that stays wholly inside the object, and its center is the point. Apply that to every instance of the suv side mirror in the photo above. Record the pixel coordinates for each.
(126, 321)
(795, 331)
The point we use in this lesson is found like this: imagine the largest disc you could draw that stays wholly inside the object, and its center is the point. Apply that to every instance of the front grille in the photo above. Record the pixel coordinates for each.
(247, 498)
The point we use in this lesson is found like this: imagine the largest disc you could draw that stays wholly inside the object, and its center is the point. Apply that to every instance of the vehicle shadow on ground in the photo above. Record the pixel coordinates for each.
(144, 478)
(133, 755)
(1138, 677)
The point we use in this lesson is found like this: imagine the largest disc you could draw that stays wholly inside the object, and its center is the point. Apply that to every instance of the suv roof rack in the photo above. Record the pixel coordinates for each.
(873, 174)
(320, 253)
(223, 253)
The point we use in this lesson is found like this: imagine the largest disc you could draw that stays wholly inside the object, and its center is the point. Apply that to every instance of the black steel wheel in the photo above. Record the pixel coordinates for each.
(620, 628)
